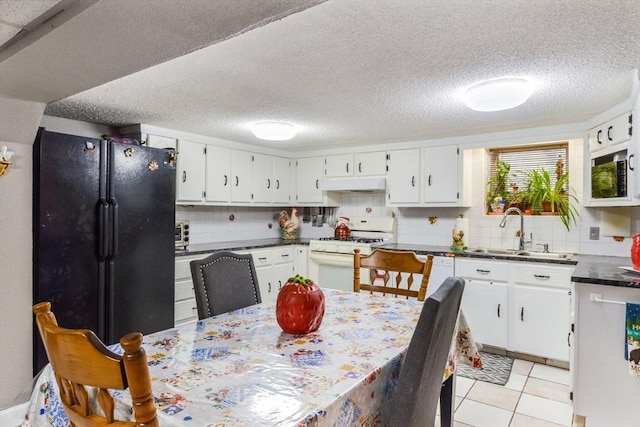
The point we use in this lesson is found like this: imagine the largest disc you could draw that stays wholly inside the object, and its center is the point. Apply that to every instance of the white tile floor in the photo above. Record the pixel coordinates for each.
(535, 396)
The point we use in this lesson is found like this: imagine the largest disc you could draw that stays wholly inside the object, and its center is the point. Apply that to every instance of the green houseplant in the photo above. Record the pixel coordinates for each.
(552, 197)
(497, 185)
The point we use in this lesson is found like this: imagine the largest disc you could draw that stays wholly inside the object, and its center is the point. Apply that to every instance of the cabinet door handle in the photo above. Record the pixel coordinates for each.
(184, 176)
(413, 181)
(237, 181)
(279, 284)
(568, 339)
(629, 164)
(226, 180)
(429, 180)
(541, 276)
(277, 184)
(360, 167)
(268, 183)
(498, 310)
(317, 184)
(522, 313)
(483, 271)
(609, 133)
(598, 137)
(347, 167)
(269, 287)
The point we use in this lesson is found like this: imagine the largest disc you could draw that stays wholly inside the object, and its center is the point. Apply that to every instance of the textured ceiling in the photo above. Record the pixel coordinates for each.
(346, 72)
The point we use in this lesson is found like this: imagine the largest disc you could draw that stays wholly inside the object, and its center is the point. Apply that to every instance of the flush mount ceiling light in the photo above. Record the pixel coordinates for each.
(497, 95)
(274, 131)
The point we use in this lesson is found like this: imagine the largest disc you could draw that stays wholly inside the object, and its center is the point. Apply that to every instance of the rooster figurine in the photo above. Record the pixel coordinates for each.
(289, 224)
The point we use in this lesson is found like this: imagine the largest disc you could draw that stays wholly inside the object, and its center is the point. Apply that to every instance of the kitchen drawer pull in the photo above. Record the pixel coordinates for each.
(285, 255)
(542, 276)
(522, 313)
(264, 258)
(483, 271)
(498, 310)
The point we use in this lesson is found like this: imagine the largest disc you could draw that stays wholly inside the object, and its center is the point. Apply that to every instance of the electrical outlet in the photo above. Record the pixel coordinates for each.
(594, 233)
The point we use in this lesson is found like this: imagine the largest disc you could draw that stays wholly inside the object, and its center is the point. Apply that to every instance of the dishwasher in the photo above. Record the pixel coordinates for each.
(442, 268)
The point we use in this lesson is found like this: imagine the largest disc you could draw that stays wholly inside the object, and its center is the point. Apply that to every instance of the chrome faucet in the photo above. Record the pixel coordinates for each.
(504, 222)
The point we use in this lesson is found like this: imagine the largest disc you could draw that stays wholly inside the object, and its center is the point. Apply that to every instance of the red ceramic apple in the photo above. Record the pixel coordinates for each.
(300, 306)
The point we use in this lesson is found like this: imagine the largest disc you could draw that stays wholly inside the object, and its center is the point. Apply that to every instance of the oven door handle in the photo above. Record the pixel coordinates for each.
(323, 259)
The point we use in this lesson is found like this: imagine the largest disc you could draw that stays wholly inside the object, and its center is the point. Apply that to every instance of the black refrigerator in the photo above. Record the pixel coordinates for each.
(103, 235)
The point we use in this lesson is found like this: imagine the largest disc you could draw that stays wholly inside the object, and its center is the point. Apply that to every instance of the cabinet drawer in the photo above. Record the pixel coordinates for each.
(283, 255)
(484, 270)
(185, 310)
(262, 258)
(183, 269)
(184, 290)
(543, 275)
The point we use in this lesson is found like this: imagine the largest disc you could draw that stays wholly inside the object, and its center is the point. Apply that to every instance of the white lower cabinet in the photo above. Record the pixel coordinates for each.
(485, 305)
(542, 323)
(186, 309)
(523, 307)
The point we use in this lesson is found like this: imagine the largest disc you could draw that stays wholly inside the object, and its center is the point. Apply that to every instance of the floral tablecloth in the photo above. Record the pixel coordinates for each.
(240, 369)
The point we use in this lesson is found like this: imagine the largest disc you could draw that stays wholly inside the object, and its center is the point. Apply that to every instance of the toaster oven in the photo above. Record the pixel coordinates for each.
(182, 234)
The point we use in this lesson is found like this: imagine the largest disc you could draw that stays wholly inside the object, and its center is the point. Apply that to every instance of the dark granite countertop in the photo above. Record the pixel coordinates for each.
(605, 270)
(238, 245)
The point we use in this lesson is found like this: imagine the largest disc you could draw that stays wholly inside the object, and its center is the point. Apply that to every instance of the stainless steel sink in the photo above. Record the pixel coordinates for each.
(523, 254)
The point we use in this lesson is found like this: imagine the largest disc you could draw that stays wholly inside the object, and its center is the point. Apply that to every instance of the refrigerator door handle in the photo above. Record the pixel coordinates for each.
(114, 228)
(103, 229)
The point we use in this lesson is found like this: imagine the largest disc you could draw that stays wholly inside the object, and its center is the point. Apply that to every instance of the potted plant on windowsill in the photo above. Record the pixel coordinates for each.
(551, 197)
(497, 193)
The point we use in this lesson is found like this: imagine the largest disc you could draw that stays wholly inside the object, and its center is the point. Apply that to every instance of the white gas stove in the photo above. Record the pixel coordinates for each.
(331, 259)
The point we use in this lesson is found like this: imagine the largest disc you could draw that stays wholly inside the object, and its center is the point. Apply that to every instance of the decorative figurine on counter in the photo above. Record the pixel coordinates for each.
(289, 224)
(458, 243)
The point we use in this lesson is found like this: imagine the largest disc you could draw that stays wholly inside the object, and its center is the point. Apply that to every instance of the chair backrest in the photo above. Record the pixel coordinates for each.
(415, 398)
(388, 269)
(223, 282)
(82, 364)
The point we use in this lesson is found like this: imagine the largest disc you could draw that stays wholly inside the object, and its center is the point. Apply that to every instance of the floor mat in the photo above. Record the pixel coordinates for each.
(496, 369)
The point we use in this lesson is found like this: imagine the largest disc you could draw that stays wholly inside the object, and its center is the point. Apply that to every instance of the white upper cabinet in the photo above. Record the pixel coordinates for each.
(263, 184)
(440, 175)
(370, 164)
(218, 174)
(308, 179)
(338, 165)
(358, 164)
(241, 181)
(281, 181)
(157, 141)
(613, 132)
(190, 174)
(403, 179)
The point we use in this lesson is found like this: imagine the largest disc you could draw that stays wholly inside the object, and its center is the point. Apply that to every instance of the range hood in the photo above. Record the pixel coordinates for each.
(360, 184)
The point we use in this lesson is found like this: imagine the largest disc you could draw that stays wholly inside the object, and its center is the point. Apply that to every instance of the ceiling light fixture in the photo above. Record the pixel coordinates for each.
(274, 131)
(497, 95)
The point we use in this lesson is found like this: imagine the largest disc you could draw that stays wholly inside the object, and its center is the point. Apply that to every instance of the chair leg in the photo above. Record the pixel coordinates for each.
(447, 400)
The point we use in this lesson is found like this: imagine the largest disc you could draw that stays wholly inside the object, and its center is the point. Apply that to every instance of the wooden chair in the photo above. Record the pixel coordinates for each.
(384, 264)
(419, 386)
(223, 282)
(79, 360)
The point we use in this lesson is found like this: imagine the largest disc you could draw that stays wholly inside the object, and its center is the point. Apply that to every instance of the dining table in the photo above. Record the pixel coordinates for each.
(241, 369)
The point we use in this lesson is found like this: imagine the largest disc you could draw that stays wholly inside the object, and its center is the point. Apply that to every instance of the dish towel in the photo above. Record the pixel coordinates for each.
(632, 343)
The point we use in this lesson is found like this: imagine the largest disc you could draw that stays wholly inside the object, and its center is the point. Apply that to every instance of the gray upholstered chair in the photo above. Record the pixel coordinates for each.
(223, 282)
(415, 399)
